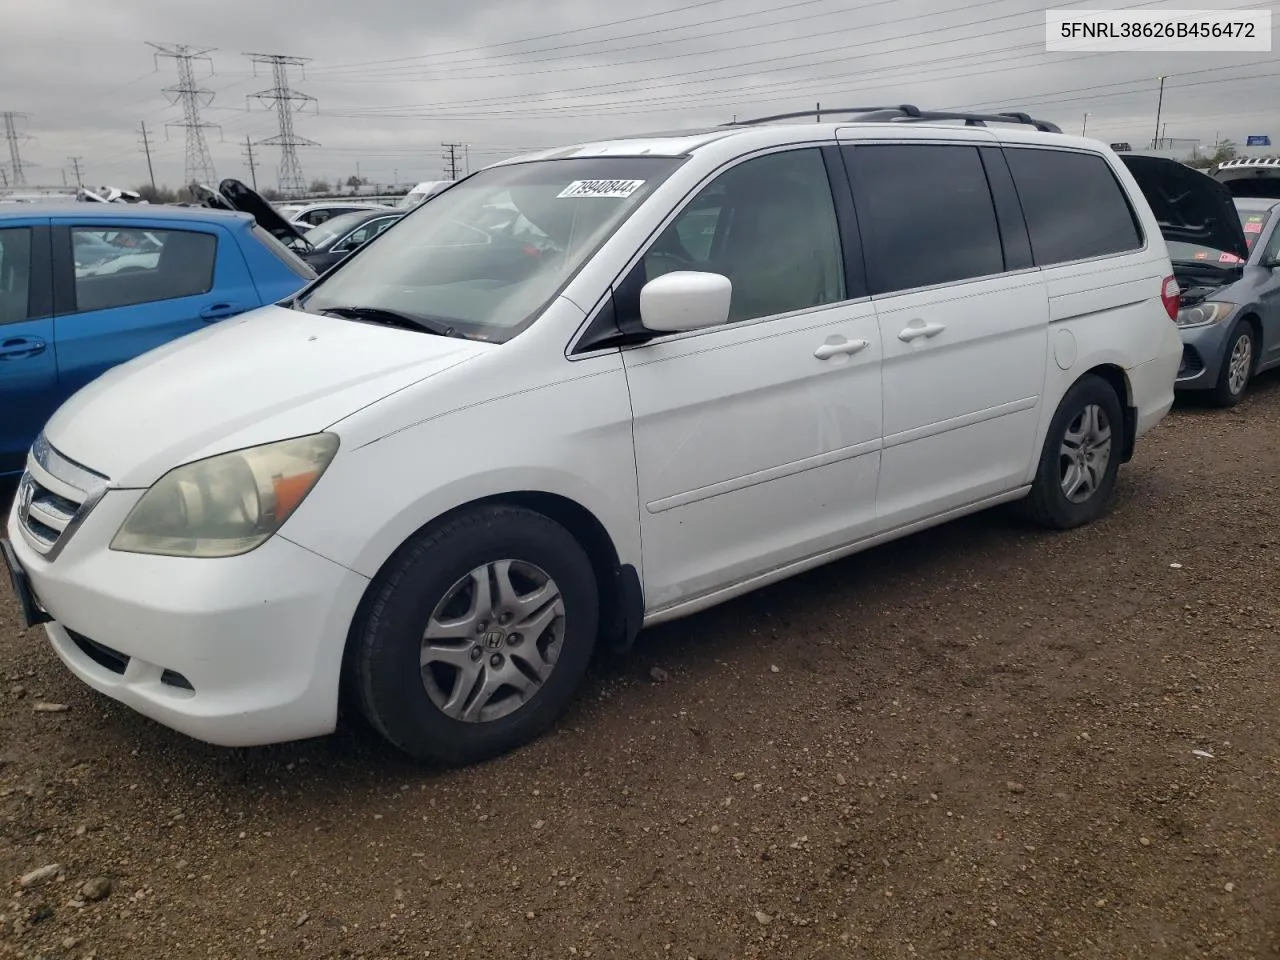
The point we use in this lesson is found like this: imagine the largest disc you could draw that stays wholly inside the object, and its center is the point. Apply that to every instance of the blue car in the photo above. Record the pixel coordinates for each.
(84, 287)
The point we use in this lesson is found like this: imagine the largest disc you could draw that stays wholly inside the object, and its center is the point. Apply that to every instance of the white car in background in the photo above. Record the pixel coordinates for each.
(447, 470)
(309, 215)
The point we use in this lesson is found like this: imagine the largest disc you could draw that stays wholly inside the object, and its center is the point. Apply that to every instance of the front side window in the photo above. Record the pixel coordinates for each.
(1074, 205)
(926, 213)
(485, 257)
(769, 225)
(15, 274)
(122, 266)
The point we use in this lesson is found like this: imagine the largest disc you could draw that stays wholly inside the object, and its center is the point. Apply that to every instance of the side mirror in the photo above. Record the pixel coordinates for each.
(685, 300)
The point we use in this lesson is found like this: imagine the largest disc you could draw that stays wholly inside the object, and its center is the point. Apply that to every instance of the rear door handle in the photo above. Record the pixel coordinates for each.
(18, 348)
(220, 311)
(918, 328)
(829, 350)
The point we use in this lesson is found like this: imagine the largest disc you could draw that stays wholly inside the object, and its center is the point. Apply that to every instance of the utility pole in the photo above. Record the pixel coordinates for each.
(17, 177)
(466, 154)
(1084, 127)
(817, 112)
(292, 183)
(75, 165)
(199, 165)
(146, 148)
(1159, 108)
(450, 157)
(250, 162)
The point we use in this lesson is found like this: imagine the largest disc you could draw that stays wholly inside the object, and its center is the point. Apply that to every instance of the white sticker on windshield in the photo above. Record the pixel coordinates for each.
(616, 189)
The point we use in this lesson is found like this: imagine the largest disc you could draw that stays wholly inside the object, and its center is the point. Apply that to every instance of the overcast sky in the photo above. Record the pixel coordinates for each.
(394, 79)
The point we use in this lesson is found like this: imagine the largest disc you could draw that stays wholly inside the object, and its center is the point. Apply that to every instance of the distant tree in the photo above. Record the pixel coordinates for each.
(271, 195)
(1222, 151)
(354, 182)
(320, 186)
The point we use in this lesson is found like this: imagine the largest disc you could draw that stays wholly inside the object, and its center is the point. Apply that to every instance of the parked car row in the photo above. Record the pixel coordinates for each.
(587, 390)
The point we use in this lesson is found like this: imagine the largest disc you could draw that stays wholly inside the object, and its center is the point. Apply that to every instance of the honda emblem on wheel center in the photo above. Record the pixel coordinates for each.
(494, 638)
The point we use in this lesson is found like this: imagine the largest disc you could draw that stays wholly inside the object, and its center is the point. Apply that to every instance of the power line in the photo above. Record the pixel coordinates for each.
(546, 36)
(474, 63)
(284, 97)
(16, 175)
(199, 161)
(665, 81)
(146, 148)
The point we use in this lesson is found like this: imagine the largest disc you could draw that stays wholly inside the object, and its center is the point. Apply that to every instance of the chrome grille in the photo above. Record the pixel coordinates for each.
(54, 496)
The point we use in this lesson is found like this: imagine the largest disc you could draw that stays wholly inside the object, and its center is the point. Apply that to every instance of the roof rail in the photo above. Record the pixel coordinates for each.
(907, 113)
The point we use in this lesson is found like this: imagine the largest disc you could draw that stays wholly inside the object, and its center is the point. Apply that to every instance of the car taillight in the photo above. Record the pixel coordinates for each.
(1171, 296)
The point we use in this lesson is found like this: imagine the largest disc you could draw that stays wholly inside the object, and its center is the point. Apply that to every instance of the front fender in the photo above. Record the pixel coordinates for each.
(571, 439)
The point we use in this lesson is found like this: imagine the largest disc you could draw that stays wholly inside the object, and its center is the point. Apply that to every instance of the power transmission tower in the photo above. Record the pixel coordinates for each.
(75, 165)
(16, 176)
(199, 167)
(450, 157)
(253, 164)
(292, 183)
(146, 148)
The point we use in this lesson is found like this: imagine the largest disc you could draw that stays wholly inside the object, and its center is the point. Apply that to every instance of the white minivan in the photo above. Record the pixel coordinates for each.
(443, 473)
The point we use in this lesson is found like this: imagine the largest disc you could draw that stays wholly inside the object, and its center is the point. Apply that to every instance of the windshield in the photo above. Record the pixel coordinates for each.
(1251, 220)
(486, 256)
(335, 228)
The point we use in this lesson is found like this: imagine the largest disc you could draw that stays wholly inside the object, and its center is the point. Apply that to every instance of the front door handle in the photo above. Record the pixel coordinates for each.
(19, 348)
(829, 350)
(918, 328)
(220, 311)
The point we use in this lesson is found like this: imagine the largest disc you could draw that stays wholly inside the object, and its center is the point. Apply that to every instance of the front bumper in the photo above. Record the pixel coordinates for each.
(1202, 349)
(239, 651)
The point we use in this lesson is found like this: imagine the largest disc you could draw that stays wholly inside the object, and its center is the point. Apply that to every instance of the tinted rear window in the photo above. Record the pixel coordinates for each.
(1074, 205)
(927, 214)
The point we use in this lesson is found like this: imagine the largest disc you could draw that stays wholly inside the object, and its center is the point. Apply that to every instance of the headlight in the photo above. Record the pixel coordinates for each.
(228, 504)
(1203, 314)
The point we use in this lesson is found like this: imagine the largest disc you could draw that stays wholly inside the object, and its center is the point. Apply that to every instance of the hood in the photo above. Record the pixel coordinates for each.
(267, 375)
(234, 195)
(1191, 207)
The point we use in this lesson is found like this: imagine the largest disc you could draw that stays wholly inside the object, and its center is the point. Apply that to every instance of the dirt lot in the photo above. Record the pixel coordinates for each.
(979, 742)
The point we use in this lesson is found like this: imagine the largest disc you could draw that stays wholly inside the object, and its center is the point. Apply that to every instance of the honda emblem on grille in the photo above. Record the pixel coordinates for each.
(26, 490)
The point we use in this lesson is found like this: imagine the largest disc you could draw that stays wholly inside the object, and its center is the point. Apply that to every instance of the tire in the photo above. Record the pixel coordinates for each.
(464, 705)
(1049, 504)
(1233, 378)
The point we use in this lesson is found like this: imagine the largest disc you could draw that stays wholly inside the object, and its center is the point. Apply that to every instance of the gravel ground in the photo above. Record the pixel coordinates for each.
(984, 741)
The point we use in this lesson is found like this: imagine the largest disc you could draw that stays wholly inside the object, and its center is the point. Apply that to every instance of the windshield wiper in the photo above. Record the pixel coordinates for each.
(393, 318)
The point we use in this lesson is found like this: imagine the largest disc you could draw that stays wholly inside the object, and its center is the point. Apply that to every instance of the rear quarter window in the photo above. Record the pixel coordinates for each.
(1074, 205)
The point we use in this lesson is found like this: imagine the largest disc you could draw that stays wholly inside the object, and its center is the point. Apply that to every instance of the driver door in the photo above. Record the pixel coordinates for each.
(758, 441)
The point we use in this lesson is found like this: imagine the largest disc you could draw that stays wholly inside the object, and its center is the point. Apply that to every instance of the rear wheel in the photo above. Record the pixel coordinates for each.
(1237, 366)
(477, 636)
(1081, 457)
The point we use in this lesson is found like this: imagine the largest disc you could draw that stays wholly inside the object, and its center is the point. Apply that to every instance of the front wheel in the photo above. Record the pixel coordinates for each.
(1081, 457)
(1237, 366)
(477, 636)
